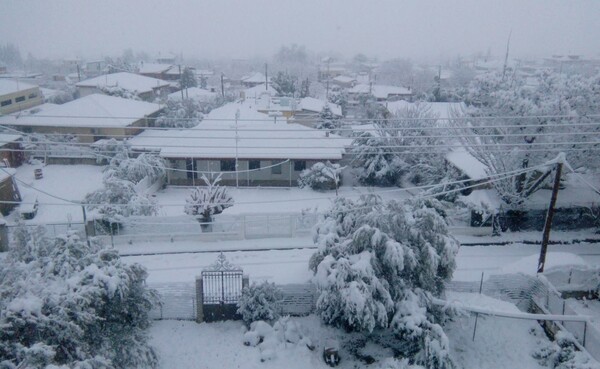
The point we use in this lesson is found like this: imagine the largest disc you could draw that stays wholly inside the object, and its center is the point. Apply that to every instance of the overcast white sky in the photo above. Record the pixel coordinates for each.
(246, 28)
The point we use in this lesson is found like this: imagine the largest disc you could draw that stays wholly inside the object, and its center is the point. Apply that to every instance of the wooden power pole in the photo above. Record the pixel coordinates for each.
(549, 216)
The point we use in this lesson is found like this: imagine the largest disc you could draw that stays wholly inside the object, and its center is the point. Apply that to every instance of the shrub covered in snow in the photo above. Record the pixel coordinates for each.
(376, 161)
(136, 169)
(378, 266)
(117, 200)
(272, 339)
(562, 354)
(321, 176)
(260, 302)
(204, 202)
(68, 304)
(184, 113)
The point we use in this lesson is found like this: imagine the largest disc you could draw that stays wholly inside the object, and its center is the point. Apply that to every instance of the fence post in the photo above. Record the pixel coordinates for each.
(199, 299)
(477, 314)
(584, 332)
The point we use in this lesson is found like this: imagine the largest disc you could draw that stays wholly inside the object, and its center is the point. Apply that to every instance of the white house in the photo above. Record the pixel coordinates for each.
(255, 79)
(266, 153)
(16, 95)
(145, 88)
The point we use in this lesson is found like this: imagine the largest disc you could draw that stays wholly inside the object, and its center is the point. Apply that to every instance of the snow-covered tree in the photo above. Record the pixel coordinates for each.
(118, 200)
(68, 304)
(341, 99)
(321, 176)
(541, 124)
(378, 266)
(285, 84)
(136, 169)
(111, 151)
(184, 113)
(205, 202)
(188, 78)
(119, 92)
(328, 120)
(304, 88)
(377, 163)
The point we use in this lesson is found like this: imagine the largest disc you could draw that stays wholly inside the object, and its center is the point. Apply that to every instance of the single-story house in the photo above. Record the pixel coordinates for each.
(309, 110)
(380, 92)
(145, 88)
(258, 91)
(11, 151)
(92, 117)
(267, 154)
(9, 191)
(255, 79)
(95, 68)
(344, 81)
(16, 95)
(166, 72)
(194, 93)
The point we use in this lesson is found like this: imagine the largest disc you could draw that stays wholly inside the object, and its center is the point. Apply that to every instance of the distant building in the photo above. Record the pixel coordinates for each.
(255, 79)
(166, 72)
(9, 191)
(145, 88)
(95, 68)
(91, 118)
(16, 95)
(11, 150)
(380, 92)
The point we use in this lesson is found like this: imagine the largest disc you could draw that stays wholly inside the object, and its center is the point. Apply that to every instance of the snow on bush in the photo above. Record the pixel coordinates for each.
(68, 304)
(136, 169)
(378, 266)
(273, 339)
(321, 176)
(184, 113)
(118, 200)
(205, 202)
(260, 302)
(563, 354)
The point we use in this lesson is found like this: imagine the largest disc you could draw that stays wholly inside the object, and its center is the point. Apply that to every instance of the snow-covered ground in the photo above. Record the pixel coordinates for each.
(499, 343)
(60, 183)
(291, 266)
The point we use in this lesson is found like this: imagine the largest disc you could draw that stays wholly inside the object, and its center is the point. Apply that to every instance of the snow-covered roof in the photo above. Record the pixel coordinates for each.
(9, 86)
(48, 92)
(254, 78)
(344, 79)
(464, 161)
(194, 93)
(258, 90)
(258, 138)
(152, 68)
(94, 110)
(380, 91)
(127, 81)
(6, 138)
(316, 105)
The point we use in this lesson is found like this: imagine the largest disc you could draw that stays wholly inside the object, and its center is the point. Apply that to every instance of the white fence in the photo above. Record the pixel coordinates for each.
(185, 228)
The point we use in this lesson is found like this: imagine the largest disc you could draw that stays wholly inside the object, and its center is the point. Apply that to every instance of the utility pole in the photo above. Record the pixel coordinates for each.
(237, 173)
(506, 56)
(181, 82)
(222, 86)
(266, 78)
(327, 89)
(550, 215)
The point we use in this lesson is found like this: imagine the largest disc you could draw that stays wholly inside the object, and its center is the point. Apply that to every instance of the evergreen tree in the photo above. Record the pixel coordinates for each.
(285, 84)
(205, 202)
(188, 78)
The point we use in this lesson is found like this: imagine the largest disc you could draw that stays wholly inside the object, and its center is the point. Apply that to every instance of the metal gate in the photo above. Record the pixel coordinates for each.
(221, 287)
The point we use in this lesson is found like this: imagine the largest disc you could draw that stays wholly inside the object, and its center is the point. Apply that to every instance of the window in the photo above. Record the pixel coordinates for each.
(32, 95)
(299, 165)
(227, 165)
(20, 99)
(276, 169)
(5, 102)
(190, 168)
(253, 164)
